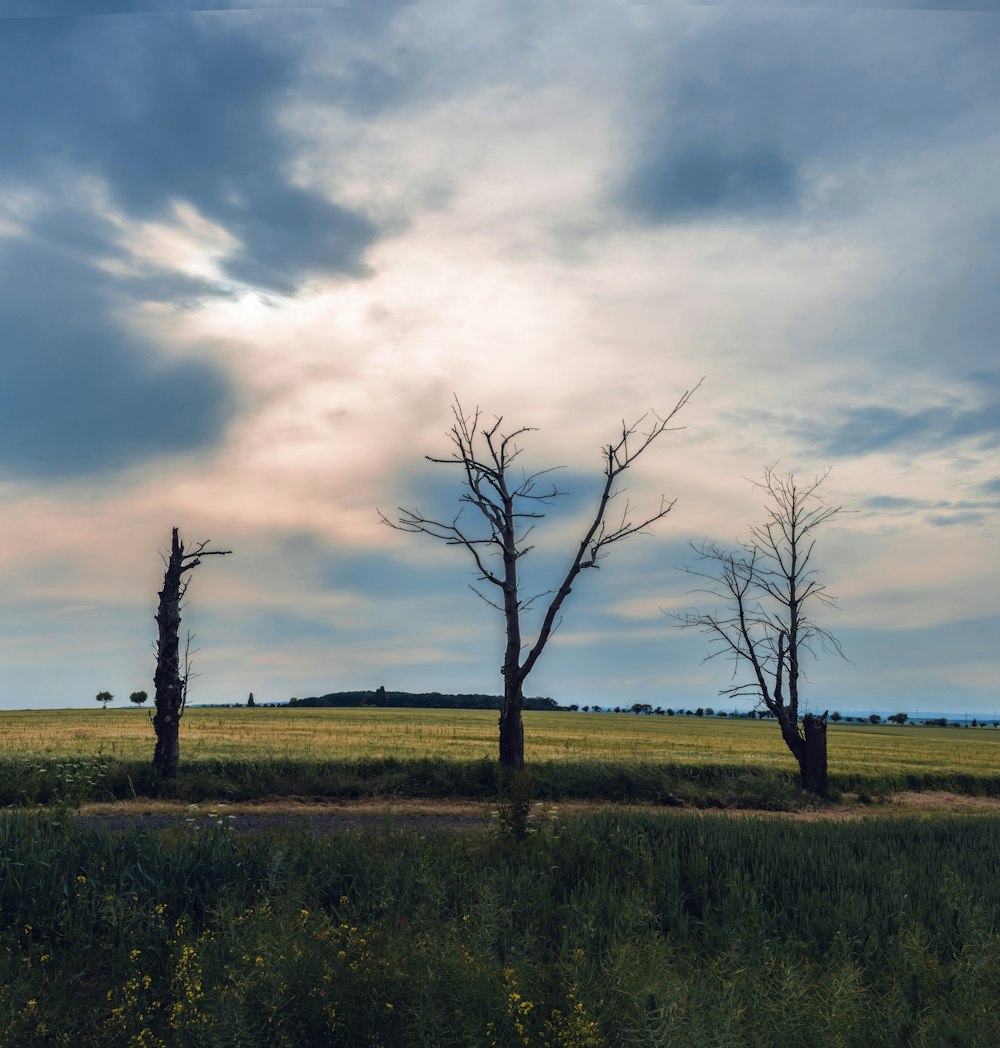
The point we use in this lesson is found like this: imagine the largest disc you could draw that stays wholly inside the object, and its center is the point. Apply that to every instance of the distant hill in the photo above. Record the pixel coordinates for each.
(417, 700)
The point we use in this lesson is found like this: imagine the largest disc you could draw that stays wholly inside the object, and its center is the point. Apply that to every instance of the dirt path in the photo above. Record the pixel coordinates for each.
(316, 816)
(329, 817)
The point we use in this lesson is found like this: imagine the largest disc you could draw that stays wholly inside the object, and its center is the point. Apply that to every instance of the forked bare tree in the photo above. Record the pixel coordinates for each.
(172, 675)
(507, 504)
(768, 587)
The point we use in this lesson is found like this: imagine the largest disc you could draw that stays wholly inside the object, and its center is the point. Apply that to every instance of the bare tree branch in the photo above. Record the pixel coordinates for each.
(508, 510)
(768, 587)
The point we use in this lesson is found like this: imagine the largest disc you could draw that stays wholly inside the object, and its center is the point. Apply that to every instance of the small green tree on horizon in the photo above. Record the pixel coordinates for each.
(138, 697)
(105, 697)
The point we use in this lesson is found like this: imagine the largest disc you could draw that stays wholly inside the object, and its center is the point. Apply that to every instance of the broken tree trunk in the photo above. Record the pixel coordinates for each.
(171, 679)
(812, 759)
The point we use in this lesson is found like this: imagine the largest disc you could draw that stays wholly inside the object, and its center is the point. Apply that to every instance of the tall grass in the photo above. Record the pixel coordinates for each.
(612, 930)
(69, 782)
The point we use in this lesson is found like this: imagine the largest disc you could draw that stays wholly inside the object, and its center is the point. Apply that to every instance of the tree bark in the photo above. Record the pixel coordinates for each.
(812, 757)
(169, 693)
(789, 732)
(169, 680)
(512, 726)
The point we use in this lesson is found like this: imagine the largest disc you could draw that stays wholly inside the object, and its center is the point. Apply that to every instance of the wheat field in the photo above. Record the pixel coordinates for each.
(312, 734)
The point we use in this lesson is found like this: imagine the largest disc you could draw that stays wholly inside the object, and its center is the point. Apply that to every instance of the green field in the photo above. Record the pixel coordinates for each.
(604, 930)
(610, 931)
(351, 734)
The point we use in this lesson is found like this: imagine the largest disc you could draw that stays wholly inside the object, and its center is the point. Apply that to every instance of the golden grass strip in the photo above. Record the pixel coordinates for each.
(317, 734)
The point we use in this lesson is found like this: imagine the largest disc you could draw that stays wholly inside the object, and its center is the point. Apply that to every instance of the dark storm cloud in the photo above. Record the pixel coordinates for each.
(894, 504)
(946, 514)
(707, 179)
(387, 575)
(80, 395)
(864, 5)
(154, 112)
(875, 428)
(178, 289)
(78, 8)
(78, 233)
(88, 239)
(983, 423)
(747, 109)
(354, 13)
(168, 110)
(859, 431)
(964, 517)
(288, 232)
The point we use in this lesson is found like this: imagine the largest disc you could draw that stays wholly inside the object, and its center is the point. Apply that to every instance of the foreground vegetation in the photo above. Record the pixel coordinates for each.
(245, 754)
(598, 931)
(607, 930)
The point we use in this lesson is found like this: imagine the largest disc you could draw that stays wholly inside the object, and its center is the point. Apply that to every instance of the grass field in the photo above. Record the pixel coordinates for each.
(607, 930)
(610, 931)
(350, 734)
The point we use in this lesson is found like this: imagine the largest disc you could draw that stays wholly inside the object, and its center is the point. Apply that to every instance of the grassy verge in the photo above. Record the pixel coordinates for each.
(612, 930)
(71, 781)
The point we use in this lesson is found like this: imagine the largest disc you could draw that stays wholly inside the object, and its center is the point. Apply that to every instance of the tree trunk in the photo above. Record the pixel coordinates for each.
(812, 762)
(511, 726)
(790, 732)
(167, 752)
(169, 696)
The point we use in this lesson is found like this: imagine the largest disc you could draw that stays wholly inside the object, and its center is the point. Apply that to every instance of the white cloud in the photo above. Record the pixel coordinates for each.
(505, 272)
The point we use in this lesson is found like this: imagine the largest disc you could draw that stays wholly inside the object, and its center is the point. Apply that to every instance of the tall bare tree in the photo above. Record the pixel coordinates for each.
(171, 676)
(507, 504)
(768, 588)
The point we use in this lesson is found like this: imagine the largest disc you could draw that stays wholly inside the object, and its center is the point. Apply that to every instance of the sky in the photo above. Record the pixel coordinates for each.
(250, 256)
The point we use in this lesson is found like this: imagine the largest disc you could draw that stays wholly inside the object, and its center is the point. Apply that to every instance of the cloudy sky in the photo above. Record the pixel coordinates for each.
(248, 257)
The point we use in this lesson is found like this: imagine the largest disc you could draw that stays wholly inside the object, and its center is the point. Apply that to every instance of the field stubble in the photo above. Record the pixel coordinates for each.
(347, 734)
(239, 754)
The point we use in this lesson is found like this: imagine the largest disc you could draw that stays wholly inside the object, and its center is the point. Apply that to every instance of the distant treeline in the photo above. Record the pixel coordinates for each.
(418, 700)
